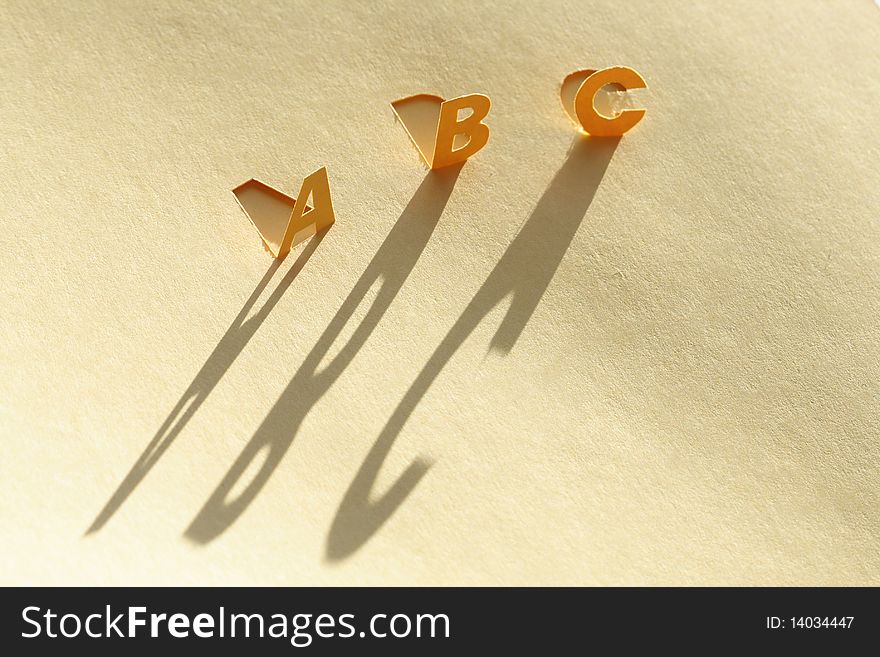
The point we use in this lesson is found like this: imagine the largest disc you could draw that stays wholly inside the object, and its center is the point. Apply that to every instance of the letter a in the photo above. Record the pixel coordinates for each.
(282, 221)
(304, 221)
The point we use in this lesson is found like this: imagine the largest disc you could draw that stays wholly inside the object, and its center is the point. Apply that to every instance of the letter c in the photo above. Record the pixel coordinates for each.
(89, 626)
(600, 125)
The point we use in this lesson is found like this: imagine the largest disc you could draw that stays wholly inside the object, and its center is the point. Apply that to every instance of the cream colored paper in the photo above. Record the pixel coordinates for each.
(653, 361)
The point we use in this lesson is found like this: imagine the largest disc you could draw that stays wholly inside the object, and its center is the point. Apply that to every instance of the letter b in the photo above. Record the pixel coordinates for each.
(449, 126)
(432, 124)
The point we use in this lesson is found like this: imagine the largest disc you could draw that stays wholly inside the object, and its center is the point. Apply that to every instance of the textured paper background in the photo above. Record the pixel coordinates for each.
(685, 389)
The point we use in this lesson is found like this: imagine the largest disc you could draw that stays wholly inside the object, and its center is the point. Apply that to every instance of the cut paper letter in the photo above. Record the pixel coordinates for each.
(283, 221)
(578, 95)
(434, 126)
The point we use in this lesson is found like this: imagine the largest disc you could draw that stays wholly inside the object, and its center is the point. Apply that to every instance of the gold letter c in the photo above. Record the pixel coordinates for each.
(592, 121)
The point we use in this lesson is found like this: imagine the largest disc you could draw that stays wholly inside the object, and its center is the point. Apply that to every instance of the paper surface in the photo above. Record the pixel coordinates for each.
(647, 361)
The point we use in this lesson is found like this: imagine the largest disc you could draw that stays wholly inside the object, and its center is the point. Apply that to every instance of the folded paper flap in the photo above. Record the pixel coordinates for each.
(570, 86)
(268, 209)
(420, 115)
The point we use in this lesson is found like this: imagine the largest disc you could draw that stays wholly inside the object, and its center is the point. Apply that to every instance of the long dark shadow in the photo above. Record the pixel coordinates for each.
(390, 267)
(523, 274)
(218, 363)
